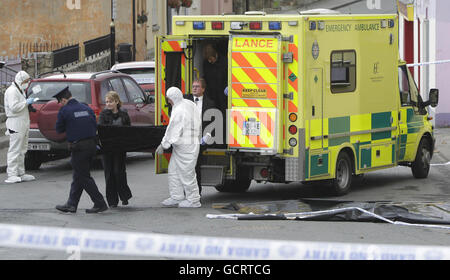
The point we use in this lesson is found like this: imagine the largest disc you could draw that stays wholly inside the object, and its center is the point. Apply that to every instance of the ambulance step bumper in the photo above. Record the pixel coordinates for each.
(212, 175)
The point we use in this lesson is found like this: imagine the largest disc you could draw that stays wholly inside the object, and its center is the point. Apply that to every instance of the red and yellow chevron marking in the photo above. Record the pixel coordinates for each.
(293, 72)
(266, 137)
(254, 79)
(162, 161)
(170, 46)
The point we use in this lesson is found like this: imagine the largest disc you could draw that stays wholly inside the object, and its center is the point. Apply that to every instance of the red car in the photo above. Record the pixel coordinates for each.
(143, 72)
(90, 88)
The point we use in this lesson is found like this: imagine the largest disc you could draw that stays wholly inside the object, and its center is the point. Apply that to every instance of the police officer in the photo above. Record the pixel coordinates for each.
(79, 123)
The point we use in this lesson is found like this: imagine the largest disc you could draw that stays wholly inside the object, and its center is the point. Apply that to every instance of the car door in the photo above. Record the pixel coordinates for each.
(117, 85)
(145, 113)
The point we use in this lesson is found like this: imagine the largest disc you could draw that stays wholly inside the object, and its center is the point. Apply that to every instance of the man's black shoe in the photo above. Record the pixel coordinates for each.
(66, 208)
(95, 209)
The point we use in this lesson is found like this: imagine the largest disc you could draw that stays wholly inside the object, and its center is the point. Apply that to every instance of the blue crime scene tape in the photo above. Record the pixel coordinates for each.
(428, 63)
(202, 247)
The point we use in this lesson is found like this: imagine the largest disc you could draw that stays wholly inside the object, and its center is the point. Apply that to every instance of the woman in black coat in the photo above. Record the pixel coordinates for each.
(114, 162)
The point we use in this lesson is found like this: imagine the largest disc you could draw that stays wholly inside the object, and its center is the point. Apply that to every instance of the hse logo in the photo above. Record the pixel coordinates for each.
(255, 44)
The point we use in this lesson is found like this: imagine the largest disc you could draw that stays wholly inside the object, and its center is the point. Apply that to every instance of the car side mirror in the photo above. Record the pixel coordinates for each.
(404, 95)
(2, 64)
(149, 99)
(433, 97)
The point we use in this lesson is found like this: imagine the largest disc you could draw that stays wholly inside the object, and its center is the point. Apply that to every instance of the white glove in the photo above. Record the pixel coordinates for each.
(31, 100)
(205, 139)
(159, 150)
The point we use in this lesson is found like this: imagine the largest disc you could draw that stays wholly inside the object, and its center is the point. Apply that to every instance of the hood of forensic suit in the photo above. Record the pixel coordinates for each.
(20, 77)
(175, 95)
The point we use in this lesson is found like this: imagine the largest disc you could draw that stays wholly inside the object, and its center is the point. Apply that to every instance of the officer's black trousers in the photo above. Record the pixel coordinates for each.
(82, 154)
(116, 177)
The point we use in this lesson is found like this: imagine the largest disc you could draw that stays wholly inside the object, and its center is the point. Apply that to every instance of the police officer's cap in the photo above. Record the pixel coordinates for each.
(64, 93)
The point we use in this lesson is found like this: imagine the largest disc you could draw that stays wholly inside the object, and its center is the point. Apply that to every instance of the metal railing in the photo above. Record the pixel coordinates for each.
(66, 55)
(97, 45)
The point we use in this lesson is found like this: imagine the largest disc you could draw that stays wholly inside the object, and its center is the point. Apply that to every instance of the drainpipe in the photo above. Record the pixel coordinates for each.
(134, 30)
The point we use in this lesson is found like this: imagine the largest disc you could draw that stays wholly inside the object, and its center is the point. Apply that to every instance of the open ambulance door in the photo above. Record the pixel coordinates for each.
(172, 70)
(256, 100)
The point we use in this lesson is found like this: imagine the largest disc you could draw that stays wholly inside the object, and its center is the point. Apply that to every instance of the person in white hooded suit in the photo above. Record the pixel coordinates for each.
(17, 127)
(182, 134)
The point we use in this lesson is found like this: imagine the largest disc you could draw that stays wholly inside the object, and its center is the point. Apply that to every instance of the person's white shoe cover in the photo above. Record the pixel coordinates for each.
(170, 202)
(188, 204)
(183, 134)
(27, 178)
(13, 180)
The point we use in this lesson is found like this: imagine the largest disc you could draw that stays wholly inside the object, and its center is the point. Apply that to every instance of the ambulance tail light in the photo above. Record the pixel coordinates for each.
(293, 129)
(293, 142)
(199, 25)
(255, 25)
(293, 117)
(275, 25)
(264, 173)
(217, 25)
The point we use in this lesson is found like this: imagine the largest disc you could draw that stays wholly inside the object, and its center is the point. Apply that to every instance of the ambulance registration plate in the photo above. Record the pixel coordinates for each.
(251, 128)
(38, 147)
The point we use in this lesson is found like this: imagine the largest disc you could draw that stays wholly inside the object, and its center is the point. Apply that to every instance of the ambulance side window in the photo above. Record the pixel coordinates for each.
(343, 71)
(403, 85)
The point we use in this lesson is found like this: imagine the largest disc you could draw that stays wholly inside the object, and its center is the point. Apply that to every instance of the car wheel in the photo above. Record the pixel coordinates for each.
(344, 175)
(33, 160)
(421, 165)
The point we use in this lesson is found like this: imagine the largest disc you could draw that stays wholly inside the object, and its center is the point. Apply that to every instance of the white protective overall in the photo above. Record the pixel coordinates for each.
(18, 122)
(183, 135)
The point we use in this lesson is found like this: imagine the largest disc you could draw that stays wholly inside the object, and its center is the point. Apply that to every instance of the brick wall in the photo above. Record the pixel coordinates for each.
(43, 21)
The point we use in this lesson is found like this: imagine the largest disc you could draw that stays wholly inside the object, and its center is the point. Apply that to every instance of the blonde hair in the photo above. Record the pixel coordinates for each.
(115, 97)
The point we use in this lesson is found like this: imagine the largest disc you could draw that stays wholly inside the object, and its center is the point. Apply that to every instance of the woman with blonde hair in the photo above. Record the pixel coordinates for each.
(114, 161)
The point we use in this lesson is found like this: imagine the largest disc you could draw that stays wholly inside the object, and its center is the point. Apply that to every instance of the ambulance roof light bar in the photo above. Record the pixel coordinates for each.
(199, 25)
(255, 25)
(217, 25)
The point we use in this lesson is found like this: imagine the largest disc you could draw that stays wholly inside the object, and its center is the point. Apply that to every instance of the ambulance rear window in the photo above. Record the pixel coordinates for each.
(343, 71)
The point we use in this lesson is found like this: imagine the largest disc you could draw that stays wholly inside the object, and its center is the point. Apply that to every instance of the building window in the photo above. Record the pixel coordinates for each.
(343, 71)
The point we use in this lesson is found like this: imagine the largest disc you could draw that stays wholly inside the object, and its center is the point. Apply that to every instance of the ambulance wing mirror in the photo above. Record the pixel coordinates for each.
(433, 98)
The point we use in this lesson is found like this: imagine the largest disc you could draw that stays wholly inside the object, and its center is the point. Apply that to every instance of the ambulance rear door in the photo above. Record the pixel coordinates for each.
(172, 70)
(256, 100)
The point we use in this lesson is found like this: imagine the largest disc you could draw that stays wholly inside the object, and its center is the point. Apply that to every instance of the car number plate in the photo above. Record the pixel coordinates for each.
(38, 147)
(251, 128)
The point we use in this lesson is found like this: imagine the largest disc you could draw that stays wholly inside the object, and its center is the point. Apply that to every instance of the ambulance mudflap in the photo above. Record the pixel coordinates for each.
(256, 97)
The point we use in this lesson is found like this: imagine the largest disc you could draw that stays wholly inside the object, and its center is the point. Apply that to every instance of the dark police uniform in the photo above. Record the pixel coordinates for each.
(79, 123)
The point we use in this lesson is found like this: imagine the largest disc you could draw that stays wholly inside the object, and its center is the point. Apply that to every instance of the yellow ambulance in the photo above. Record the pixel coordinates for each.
(310, 97)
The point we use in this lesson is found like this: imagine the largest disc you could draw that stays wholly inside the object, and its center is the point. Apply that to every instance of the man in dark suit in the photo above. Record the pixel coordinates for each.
(203, 103)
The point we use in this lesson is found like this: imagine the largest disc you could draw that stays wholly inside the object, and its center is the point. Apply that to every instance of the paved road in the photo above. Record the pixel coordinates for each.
(33, 204)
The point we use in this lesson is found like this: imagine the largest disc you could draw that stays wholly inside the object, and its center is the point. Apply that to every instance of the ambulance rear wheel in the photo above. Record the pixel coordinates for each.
(344, 175)
(240, 184)
(421, 165)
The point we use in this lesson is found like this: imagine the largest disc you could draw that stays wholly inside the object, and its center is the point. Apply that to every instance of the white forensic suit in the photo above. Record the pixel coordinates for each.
(182, 134)
(17, 127)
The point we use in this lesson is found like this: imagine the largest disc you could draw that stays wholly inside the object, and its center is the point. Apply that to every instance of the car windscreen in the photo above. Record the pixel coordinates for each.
(81, 91)
(141, 75)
